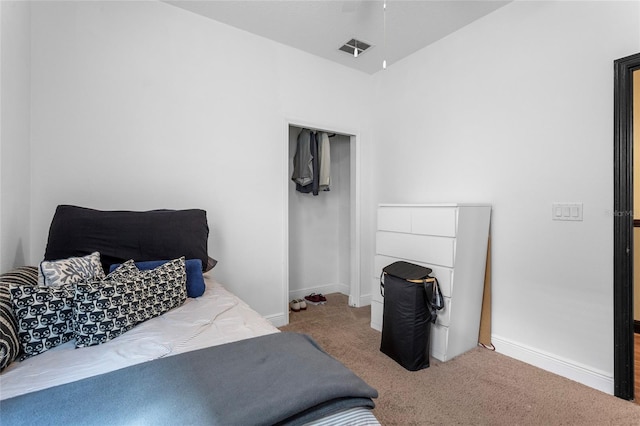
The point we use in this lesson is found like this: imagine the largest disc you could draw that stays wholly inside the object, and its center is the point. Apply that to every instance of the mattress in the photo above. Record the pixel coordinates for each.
(215, 318)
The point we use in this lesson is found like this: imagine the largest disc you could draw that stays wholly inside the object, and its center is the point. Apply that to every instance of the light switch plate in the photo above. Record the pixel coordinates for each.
(566, 211)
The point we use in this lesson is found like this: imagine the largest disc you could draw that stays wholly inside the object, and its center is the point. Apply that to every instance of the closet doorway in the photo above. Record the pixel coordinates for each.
(322, 238)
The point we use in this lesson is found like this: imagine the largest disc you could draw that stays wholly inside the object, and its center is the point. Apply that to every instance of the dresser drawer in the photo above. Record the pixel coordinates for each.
(439, 221)
(444, 315)
(375, 290)
(395, 219)
(418, 248)
(444, 279)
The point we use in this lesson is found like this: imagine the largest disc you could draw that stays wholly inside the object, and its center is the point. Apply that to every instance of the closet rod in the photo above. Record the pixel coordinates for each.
(321, 131)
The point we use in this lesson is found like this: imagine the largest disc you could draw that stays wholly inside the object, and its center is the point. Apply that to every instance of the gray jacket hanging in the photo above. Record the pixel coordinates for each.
(302, 160)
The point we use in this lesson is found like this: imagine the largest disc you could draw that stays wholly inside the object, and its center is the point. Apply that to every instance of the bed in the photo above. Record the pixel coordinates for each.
(211, 360)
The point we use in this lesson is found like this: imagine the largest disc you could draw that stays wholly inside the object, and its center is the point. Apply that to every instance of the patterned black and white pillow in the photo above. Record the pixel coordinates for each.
(105, 309)
(100, 312)
(44, 316)
(9, 343)
(71, 270)
(10, 347)
(23, 275)
(163, 288)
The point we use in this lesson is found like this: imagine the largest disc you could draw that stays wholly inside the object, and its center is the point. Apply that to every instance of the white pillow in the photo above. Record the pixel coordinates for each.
(70, 271)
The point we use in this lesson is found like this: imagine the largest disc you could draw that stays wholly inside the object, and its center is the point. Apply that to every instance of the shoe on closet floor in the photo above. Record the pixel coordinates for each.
(294, 305)
(316, 299)
(302, 303)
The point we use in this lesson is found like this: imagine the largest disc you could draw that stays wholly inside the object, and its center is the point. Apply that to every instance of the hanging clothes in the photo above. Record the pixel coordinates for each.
(324, 153)
(312, 162)
(313, 185)
(302, 160)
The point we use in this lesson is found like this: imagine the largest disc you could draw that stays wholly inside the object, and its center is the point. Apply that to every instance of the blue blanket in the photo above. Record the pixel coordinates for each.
(282, 378)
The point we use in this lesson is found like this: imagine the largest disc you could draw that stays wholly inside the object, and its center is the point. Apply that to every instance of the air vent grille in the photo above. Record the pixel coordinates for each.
(353, 44)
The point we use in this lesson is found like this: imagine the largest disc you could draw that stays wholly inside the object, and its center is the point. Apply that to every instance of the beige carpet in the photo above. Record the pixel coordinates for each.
(480, 387)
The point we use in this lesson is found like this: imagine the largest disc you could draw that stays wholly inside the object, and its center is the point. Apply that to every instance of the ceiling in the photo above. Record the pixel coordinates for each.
(320, 27)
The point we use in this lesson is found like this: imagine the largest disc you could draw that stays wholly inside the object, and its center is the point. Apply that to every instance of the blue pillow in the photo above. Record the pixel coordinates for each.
(195, 279)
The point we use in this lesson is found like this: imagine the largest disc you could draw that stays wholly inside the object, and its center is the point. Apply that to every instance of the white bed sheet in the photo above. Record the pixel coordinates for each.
(217, 317)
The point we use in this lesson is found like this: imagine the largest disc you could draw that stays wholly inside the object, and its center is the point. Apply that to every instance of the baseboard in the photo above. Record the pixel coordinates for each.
(278, 320)
(365, 300)
(636, 326)
(563, 367)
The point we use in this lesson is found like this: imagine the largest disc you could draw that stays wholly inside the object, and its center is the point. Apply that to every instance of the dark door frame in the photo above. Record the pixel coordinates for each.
(623, 226)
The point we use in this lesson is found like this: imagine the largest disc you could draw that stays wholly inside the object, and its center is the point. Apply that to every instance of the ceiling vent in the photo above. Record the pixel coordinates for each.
(355, 47)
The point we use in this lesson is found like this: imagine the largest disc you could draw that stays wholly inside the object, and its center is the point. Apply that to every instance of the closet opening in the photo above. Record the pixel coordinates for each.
(322, 231)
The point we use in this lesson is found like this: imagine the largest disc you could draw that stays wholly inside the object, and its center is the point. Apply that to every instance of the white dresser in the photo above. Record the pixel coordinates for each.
(451, 239)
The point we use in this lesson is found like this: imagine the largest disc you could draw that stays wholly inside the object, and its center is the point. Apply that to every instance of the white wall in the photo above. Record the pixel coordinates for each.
(141, 105)
(516, 109)
(15, 163)
(319, 227)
